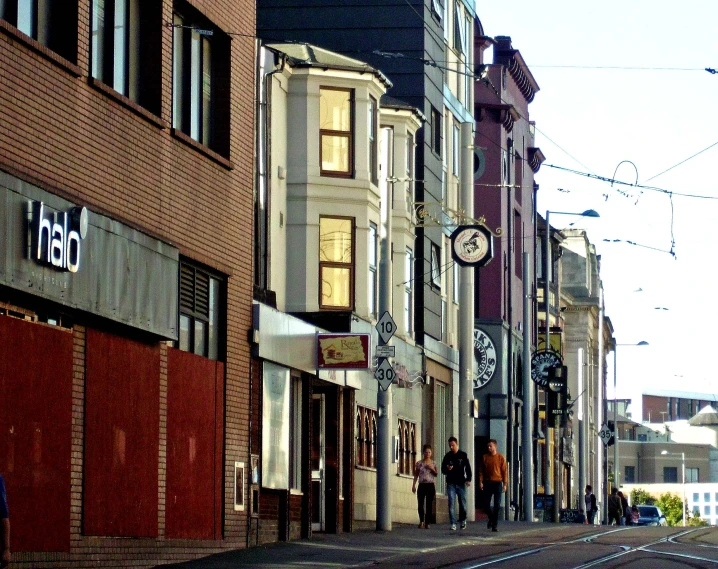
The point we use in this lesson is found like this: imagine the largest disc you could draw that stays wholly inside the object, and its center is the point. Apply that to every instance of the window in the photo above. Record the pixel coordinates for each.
(455, 150)
(696, 496)
(366, 437)
(53, 23)
(468, 76)
(435, 266)
(437, 10)
(692, 475)
(696, 511)
(373, 263)
(707, 497)
(670, 474)
(336, 262)
(459, 37)
(436, 131)
(409, 292)
(630, 474)
(409, 171)
(456, 277)
(442, 423)
(125, 49)
(716, 498)
(200, 80)
(335, 131)
(297, 430)
(707, 510)
(373, 170)
(518, 245)
(407, 447)
(200, 318)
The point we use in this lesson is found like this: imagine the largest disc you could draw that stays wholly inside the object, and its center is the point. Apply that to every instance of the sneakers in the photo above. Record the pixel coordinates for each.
(463, 524)
(453, 527)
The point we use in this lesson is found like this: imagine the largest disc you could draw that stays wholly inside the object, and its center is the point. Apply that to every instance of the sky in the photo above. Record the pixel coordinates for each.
(592, 120)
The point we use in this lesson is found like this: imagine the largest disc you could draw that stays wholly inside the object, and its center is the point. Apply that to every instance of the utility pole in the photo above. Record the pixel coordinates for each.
(547, 304)
(527, 409)
(466, 318)
(384, 397)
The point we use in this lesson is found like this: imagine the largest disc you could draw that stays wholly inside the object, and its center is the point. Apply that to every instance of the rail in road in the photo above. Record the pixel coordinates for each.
(624, 547)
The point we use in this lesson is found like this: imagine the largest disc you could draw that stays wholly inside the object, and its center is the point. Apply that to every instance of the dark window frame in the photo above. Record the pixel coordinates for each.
(54, 24)
(670, 474)
(435, 131)
(208, 114)
(196, 285)
(339, 265)
(349, 135)
(407, 446)
(365, 425)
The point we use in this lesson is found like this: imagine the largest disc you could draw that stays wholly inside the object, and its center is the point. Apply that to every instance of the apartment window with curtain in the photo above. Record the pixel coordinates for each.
(125, 49)
(372, 285)
(201, 296)
(373, 153)
(52, 23)
(200, 79)
(409, 292)
(336, 132)
(336, 263)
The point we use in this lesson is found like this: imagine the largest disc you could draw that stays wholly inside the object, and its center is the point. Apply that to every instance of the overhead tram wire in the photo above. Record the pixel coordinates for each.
(682, 162)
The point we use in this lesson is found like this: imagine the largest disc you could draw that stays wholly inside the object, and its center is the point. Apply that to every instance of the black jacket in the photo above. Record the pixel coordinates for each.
(461, 471)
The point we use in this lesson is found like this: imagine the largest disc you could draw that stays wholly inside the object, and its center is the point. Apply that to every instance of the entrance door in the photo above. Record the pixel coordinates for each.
(318, 463)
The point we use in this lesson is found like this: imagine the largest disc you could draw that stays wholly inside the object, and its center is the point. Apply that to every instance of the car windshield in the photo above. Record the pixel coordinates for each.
(648, 511)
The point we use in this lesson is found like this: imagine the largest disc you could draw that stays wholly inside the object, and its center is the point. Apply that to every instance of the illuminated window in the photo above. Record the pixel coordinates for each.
(336, 262)
(335, 131)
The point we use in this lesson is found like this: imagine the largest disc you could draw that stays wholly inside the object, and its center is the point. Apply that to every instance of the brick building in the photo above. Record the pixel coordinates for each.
(126, 175)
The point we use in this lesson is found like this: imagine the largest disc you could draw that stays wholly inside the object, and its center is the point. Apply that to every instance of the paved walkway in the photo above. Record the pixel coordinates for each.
(357, 549)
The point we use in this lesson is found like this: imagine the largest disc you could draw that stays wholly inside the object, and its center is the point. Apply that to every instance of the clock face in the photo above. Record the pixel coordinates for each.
(485, 355)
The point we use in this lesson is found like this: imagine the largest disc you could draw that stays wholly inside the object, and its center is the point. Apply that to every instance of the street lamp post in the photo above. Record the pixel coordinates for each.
(547, 303)
(616, 475)
(683, 481)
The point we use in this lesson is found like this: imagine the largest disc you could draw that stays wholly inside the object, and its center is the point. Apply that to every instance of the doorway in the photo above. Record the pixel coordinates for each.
(318, 462)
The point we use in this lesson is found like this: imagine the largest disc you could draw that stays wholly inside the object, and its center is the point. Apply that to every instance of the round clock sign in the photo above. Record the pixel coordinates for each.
(541, 362)
(472, 246)
(485, 355)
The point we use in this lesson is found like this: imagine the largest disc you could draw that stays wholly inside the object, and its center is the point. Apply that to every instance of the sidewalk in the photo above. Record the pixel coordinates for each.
(361, 548)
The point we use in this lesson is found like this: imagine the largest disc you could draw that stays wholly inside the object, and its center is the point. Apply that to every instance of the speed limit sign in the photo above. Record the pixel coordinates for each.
(605, 434)
(385, 374)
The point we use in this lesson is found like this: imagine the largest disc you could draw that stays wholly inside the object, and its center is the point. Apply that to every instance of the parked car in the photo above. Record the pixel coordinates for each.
(651, 516)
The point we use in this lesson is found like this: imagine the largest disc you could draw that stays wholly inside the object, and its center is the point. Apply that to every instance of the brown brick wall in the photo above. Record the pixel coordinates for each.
(60, 132)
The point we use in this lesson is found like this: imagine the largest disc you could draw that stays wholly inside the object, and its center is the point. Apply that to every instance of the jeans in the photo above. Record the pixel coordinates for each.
(453, 490)
(493, 490)
(591, 516)
(426, 492)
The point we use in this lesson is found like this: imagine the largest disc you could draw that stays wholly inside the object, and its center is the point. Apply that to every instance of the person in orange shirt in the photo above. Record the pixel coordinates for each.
(493, 479)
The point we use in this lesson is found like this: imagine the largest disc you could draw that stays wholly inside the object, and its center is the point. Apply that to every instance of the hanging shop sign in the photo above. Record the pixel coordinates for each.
(343, 351)
(485, 356)
(472, 246)
(541, 363)
(55, 237)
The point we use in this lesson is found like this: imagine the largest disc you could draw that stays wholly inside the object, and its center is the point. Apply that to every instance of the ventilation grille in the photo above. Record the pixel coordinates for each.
(194, 291)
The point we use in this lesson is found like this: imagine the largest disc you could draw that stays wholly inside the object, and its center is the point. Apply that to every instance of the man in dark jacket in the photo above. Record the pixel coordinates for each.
(590, 501)
(457, 469)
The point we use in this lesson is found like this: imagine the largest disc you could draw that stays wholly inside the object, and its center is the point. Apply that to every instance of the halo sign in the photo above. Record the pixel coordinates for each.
(472, 246)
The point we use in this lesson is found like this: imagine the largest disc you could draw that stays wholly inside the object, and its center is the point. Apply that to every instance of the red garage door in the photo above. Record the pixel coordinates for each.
(35, 432)
(121, 437)
(195, 411)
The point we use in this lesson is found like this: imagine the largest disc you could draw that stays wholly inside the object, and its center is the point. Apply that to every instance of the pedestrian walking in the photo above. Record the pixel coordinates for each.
(635, 514)
(4, 526)
(615, 509)
(457, 469)
(425, 472)
(493, 479)
(591, 507)
(625, 510)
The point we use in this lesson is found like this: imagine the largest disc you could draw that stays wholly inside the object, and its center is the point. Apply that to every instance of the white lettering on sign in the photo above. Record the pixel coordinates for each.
(55, 237)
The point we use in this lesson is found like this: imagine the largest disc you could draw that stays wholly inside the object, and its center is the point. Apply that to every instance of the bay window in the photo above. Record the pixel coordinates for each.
(336, 263)
(336, 131)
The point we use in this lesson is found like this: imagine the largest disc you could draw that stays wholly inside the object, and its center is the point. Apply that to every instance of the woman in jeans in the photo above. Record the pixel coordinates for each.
(425, 472)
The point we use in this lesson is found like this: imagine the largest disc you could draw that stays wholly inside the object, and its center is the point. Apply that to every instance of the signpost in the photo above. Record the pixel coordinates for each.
(605, 434)
(385, 373)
